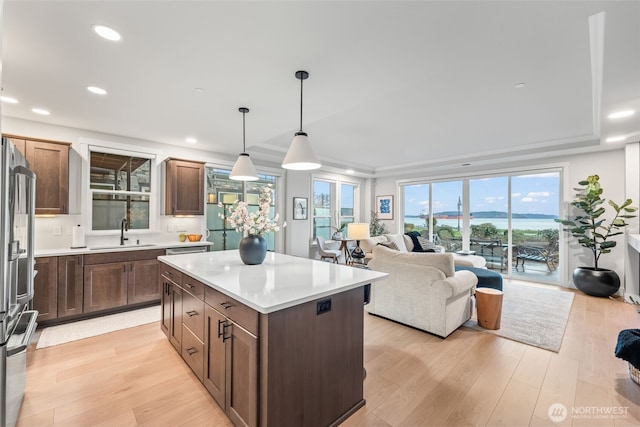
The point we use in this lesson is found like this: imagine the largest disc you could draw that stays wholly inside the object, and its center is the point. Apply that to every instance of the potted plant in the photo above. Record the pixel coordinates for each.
(376, 228)
(338, 233)
(593, 233)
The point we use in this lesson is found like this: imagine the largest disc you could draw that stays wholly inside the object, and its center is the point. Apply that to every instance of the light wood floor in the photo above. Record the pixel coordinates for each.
(134, 377)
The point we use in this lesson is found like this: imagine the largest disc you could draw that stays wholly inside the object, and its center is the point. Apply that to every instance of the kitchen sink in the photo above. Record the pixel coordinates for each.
(96, 248)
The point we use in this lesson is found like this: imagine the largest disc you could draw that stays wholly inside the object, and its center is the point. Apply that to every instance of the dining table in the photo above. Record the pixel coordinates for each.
(344, 247)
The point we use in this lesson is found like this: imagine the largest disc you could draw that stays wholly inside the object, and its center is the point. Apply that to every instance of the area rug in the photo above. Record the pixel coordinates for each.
(55, 335)
(532, 315)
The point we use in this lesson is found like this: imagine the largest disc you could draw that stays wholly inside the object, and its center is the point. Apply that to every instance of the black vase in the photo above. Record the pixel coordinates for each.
(598, 282)
(253, 249)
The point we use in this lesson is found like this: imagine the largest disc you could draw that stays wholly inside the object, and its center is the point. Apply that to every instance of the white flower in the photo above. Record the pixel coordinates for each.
(256, 223)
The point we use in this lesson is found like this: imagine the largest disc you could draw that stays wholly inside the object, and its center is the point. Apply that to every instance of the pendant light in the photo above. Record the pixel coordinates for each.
(300, 155)
(243, 170)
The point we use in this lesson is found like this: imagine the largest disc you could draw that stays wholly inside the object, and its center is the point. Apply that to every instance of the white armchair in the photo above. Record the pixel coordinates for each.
(421, 291)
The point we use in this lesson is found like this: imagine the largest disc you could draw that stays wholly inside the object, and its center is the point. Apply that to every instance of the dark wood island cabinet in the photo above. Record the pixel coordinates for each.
(270, 353)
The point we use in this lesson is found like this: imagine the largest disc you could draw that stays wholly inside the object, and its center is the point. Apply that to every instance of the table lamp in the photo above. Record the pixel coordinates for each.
(358, 231)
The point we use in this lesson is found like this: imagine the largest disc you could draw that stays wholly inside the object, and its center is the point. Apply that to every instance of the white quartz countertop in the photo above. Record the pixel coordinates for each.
(280, 282)
(115, 248)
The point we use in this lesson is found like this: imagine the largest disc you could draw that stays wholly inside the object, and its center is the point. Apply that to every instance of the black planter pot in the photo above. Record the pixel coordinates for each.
(253, 249)
(596, 282)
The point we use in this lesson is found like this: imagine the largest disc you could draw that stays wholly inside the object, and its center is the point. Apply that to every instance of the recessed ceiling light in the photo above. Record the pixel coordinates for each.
(200, 90)
(191, 140)
(8, 100)
(106, 32)
(96, 90)
(350, 171)
(621, 114)
(520, 85)
(40, 111)
(616, 138)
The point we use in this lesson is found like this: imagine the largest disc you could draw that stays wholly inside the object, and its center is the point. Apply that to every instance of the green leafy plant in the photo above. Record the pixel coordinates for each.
(588, 227)
(375, 227)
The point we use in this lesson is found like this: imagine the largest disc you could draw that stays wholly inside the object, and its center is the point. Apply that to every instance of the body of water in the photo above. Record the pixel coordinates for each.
(500, 223)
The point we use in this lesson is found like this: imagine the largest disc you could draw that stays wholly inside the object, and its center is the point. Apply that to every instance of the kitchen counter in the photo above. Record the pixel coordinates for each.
(115, 248)
(284, 338)
(281, 281)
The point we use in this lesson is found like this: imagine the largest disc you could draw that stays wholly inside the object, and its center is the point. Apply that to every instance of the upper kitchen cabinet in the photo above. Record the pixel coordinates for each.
(49, 160)
(184, 187)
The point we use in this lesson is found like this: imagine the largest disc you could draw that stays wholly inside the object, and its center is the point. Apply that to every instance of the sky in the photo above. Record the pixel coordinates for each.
(532, 194)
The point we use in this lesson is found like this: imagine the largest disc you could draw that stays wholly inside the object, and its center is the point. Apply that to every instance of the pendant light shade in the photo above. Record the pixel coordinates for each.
(300, 155)
(243, 170)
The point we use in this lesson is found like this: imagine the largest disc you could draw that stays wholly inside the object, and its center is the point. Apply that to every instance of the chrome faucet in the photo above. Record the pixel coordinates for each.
(123, 227)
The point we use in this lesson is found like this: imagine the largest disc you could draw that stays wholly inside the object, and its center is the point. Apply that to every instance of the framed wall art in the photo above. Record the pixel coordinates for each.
(384, 207)
(300, 208)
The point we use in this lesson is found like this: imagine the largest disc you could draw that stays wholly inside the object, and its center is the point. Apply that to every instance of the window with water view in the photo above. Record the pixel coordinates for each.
(509, 220)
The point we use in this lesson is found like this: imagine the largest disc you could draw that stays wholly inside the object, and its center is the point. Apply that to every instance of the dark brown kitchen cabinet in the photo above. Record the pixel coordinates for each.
(218, 341)
(171, 319)
(105, 286)
(45, 288)
(142, 281)
(231, 367)
(214, 376)
(117, 279)
(241, 357)
(184, 187)
(70, 285)
(49, 160)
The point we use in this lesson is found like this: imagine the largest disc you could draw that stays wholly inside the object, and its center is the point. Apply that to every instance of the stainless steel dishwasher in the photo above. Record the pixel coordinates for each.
(186, 250)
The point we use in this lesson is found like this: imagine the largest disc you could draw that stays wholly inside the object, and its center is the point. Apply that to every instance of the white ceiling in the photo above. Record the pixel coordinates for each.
(392, 84)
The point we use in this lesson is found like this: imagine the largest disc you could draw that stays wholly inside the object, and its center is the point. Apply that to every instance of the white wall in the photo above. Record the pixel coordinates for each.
(609, 165)
(298, 232)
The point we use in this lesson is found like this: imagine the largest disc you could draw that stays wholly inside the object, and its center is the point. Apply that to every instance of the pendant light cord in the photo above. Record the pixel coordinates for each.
(301, 81)
(244, 148)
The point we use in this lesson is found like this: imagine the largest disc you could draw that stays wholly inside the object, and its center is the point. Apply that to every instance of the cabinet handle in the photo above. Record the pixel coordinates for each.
(226, 305)
(191, 286)
(192, 313)
(168, 273)
(224, 332)
(222, 323)
(78, 258)
(124, 268)
(192, 351)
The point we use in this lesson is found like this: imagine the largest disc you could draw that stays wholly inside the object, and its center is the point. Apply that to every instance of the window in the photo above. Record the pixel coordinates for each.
(221, 189)
(504, 218)
(322, 196)
(120, 187)
(334, 206)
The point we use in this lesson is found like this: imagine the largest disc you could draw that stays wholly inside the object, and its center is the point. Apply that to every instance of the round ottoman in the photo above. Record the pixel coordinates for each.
(489, 306)
(486, 278)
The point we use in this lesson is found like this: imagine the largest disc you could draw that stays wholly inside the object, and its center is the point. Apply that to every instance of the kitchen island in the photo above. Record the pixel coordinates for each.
(276, 344)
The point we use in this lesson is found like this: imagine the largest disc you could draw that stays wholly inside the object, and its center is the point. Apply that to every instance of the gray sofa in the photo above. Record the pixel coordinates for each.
(421, 291)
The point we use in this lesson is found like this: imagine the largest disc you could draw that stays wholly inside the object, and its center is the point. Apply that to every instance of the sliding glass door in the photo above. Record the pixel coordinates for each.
(508, 219)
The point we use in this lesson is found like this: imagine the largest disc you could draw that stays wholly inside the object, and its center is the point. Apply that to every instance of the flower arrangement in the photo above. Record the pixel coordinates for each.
(253, 223)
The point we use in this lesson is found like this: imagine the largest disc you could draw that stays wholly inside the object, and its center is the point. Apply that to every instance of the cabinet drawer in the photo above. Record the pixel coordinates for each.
(122, 256)
(191, 285)
(193, 352)
(193, 314)
(171, 273)
(234, 310)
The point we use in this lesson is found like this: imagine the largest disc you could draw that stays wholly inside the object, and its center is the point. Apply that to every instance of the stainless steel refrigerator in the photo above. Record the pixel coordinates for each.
(17, 323)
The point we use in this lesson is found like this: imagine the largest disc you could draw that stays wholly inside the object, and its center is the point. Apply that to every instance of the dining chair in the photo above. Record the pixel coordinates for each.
(326, 253)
